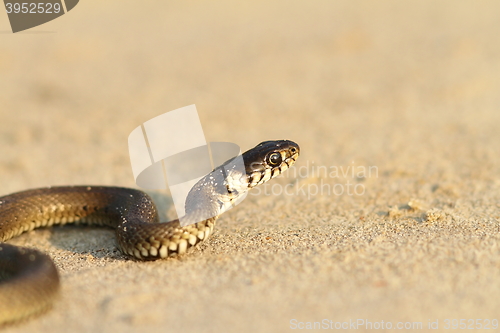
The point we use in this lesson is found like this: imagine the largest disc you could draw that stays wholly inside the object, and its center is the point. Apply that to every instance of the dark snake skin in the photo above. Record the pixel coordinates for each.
(29, 281)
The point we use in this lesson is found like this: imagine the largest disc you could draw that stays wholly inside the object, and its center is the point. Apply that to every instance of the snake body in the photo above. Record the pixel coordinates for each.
(29, 281)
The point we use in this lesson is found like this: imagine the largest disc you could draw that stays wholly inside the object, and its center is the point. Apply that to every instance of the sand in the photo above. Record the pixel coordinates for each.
(390, 216)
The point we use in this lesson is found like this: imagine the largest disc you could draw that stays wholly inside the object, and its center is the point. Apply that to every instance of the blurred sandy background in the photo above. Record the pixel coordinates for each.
(411, 88)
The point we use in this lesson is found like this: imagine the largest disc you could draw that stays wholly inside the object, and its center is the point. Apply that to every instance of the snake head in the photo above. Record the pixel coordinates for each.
(227, 184)
(269, 159)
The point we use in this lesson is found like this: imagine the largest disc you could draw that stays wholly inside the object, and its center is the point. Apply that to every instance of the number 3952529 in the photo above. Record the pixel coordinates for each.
(33, 8)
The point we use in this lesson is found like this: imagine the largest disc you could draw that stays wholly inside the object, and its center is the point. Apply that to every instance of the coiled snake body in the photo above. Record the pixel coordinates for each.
(29, 280)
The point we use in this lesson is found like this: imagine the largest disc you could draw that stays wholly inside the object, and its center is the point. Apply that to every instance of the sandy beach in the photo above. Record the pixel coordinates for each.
(390, 217)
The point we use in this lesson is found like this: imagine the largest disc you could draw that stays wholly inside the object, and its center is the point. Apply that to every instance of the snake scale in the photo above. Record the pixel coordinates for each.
(29, 281)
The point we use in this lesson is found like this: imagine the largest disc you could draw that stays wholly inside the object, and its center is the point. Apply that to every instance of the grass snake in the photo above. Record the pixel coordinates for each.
(29, 281)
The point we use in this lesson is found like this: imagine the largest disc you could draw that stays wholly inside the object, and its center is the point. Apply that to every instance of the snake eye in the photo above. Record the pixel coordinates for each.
(274, 159)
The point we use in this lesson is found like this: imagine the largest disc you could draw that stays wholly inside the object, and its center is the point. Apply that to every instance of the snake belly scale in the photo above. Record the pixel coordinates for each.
(29, 281)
